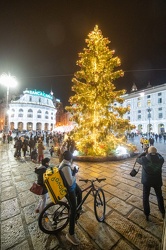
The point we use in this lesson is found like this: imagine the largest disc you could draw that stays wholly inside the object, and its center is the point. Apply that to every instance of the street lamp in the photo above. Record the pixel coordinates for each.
(9, 82)
(149, 116)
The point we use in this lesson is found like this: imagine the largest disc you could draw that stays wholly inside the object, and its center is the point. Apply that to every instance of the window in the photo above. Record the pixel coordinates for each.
(51, 113)
(139, 111)
(148, 103)
(128, 118)
(38, 116)
(46, 117)
(30, 98)
(39, 111)
(12, 115)
(20, 115)
(51, 118)
(139, 117)
(30, 110)
(148, 96)
(138, 104)
(128, 112)
(39, 99)
(159, 109)
(159, 94)
(20, 110)
(46, 112)
(29, 115)
(159, 100)
(160, 115)
(13, 110)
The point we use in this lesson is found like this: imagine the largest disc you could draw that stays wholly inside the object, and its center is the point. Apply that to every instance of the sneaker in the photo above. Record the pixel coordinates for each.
(73, 239)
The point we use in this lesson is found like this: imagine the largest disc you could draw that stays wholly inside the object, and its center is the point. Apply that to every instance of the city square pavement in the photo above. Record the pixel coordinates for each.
(124, 228)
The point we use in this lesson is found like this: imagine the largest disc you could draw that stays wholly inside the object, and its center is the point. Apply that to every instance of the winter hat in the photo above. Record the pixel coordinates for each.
(45, 160)
(152, 150)
(67, 156)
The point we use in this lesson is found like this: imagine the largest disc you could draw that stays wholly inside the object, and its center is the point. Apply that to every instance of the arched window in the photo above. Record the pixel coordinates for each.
(39, 99)
(30, 110)
(30, 98)
(20, 110)
(39, 111)
(46, 112)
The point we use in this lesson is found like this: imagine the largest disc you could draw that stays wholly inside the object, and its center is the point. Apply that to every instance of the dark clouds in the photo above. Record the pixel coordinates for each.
(40, 40)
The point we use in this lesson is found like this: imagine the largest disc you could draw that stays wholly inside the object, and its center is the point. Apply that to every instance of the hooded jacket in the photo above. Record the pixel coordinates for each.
(151, 169)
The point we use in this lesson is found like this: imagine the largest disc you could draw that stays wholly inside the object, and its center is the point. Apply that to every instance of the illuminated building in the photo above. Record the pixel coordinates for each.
(34, 110)
(147, 109)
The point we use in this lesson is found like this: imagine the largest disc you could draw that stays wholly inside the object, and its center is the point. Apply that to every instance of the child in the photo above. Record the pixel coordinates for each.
(34, 155)
(51, 150)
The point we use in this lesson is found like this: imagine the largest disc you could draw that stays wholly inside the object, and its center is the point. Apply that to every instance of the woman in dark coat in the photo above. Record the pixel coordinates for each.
(40, 171)
(152, 177)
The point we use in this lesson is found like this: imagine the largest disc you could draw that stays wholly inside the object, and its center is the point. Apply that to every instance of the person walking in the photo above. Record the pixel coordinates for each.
(40, 171)
(74, 193)
(40, 150)
(151, 141)
(151, 177)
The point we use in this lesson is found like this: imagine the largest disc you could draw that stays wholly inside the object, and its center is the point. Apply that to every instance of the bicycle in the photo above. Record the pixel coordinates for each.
(55, 217)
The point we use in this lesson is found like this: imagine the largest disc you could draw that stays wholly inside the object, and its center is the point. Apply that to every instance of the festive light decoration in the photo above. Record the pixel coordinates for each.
(101, 127)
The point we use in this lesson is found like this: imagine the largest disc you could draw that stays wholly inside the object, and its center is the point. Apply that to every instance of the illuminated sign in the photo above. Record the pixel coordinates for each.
(38, 93)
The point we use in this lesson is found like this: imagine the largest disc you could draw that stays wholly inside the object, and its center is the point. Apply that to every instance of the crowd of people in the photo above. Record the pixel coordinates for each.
(63, 146)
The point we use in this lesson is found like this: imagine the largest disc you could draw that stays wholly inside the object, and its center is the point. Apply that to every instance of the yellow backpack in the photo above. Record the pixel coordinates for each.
(54, 184)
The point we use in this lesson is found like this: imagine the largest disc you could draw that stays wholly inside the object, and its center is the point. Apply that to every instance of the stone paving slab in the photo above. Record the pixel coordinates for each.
(125, 227)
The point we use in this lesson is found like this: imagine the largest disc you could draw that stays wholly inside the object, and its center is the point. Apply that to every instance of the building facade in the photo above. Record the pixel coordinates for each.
(147, 109)
(34, 110)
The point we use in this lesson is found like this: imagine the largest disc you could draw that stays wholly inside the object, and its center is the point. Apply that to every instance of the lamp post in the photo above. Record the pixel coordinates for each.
(8, 81)
(149, 116)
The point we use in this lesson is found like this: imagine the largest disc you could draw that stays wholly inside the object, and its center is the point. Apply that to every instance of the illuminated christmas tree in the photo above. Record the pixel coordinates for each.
(96, 105)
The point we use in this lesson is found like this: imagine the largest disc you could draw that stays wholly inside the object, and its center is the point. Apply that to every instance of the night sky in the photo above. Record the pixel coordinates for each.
(40, 41)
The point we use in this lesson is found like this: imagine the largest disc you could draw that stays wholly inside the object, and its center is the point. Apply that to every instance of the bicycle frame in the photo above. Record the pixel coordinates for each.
(91, 188)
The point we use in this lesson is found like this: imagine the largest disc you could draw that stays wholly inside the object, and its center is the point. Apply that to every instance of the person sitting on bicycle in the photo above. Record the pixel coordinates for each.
(74, 193)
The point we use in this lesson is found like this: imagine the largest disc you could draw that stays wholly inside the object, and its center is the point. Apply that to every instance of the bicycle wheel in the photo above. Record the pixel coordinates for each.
(54, 217)
(99, 205)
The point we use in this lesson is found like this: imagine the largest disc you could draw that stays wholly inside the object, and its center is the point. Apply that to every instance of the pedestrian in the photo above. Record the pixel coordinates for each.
(34, 155)
(40, 171)
(8, 138)
(152, 177)
(4, 137)
(61, 150)
(142, 141)
(145, 143)
(51, 150)
(74, 193)
(24, 146)
(31, 144)
(151, 141)
(18, 146)
(40, 150)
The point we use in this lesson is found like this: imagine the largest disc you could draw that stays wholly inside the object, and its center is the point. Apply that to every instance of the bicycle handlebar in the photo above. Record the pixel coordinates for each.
(87, 180)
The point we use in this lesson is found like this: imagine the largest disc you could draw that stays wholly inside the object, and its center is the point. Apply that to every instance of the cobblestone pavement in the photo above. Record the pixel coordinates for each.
(125, 226)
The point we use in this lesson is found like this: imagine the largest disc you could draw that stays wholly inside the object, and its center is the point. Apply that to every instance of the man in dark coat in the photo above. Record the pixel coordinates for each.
(152, 177)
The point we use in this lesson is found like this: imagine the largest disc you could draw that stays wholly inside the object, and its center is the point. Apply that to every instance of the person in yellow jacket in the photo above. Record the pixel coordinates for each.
(142, 141)
(145, 144)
